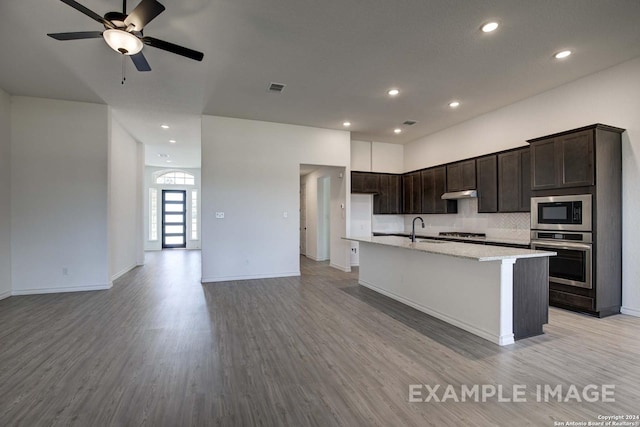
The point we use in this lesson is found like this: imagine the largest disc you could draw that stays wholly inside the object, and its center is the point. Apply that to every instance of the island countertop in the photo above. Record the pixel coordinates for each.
(455, 249)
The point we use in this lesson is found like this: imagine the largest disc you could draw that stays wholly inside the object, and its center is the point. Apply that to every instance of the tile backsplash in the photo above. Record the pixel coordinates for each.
(499, 225)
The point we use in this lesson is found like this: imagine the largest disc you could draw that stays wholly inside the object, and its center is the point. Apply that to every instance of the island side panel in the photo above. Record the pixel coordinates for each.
(530, 296)
(463, 292)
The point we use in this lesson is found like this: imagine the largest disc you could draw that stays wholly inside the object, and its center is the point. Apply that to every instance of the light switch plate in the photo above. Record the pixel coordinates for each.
(219, 215)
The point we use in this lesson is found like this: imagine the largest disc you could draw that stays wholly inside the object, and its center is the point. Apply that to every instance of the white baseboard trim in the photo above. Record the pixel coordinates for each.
(630, 311)
(500, 340)
(123, 272)
(62, 290)
(249, 277)
(5, 294)
(357, 264)
(340, 267)
(317, 259)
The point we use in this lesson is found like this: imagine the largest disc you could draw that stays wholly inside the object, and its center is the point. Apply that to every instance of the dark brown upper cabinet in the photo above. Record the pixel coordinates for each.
(563, 161)
(461, 176)
(434, 186)
(412, 193)
(514, 181)
(389, 197)
(487, 177)
(365, 182)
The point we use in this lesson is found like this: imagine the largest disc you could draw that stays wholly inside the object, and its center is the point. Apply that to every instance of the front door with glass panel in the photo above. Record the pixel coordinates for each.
(174, 212)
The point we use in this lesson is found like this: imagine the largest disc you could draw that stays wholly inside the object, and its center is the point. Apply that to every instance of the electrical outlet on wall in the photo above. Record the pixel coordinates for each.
(219, 215)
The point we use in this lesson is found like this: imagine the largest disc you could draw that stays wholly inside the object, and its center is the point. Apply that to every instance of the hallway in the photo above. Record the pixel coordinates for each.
(161, 349)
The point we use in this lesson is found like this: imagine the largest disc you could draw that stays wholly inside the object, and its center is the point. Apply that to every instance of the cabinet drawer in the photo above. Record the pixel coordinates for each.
(573, 300)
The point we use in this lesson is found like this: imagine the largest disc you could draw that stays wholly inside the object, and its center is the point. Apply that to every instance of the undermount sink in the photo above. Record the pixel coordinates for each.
(430, 241)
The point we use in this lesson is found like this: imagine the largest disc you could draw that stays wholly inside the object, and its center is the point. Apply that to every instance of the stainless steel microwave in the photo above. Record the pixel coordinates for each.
(571, 213)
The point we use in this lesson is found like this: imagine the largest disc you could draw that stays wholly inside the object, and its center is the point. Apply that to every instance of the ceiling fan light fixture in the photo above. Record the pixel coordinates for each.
(122, 41)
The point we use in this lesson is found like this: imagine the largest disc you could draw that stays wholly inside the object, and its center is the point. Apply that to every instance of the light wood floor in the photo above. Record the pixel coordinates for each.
(160, 349)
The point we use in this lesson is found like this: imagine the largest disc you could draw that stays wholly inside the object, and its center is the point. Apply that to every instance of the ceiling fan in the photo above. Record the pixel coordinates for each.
(123, 33)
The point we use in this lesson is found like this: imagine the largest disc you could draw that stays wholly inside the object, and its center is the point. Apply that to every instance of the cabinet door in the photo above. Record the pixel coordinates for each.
(487, 184)
(381, 199)
(357, 182)
(461, 176)
(509, 181)
(544, 163)
(395, 194)
(365, 182)
(454, 177)
(389, 197)
(576, 152)
(371, 183)
(468, 174)
(428, 191)
(525, 181)
(412, 190)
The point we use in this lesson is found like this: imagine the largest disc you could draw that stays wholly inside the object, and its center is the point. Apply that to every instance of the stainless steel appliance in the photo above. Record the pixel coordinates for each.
(573, 264)
(564, 213)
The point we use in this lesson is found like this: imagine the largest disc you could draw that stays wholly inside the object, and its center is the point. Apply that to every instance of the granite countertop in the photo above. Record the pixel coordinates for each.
(456, 249)
(427, 235)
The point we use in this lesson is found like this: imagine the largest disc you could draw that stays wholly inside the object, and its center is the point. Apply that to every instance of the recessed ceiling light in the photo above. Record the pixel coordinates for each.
(490, 26)
(173, 141)
(562, 54)
(164, 126)
(163, 155)
(397, 130)
(454, 104)
(393, 92)
(169, 161)
(346, 124)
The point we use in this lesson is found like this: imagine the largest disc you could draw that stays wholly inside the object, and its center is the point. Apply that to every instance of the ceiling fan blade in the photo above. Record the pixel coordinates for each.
(144, 13)
(90, 13)
(140, 62)
(77, 35)
(173, 48)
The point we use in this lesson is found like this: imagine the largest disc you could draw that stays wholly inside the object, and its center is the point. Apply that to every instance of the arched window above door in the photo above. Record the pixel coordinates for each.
(176, 178)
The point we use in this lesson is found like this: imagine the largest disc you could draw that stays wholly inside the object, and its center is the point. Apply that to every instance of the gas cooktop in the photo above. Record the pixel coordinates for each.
(462, 234)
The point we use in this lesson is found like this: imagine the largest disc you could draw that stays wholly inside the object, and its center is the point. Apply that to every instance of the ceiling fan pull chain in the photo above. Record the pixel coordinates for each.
(124, 78)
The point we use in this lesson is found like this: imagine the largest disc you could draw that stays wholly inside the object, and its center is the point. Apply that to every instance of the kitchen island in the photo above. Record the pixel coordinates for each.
(498, 293)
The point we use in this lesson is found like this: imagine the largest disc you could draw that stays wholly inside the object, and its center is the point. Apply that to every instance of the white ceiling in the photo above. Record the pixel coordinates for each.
(338, 59)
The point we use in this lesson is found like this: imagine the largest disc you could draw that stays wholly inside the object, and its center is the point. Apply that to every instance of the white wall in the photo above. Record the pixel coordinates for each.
(318, 248)
(611, 97)
(125, 191)
(377, 157)
(150, 173)
(59, 196)
(5, 195)
(251, 172)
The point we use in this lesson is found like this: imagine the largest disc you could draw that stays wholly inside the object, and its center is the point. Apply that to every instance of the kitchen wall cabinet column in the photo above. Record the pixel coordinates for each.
(412, 190)
(514, 181)
(487, 180)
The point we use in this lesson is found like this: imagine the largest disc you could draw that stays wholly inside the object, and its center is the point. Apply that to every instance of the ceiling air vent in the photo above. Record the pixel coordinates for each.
(410, 122)
(276, 87)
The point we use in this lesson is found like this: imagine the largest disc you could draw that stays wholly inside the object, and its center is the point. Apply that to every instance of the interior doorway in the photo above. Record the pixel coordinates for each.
(174, 223)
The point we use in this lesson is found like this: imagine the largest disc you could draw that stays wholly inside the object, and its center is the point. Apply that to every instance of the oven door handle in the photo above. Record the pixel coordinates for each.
(563, 245)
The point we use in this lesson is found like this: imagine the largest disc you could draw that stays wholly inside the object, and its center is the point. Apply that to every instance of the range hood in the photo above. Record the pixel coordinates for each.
(467, 194)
